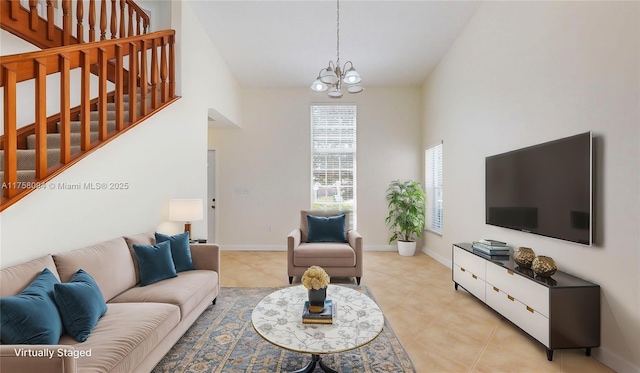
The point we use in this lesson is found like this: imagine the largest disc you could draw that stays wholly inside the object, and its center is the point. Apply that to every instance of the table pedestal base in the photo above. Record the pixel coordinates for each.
(312, 365)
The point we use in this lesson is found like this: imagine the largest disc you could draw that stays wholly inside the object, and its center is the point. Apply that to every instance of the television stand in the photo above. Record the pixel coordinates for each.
(561, 311)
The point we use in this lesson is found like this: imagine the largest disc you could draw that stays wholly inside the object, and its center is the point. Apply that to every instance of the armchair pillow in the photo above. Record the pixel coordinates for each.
(180, 250)
(81, 304)
(32, 317)
(155, 262)
(326, 228)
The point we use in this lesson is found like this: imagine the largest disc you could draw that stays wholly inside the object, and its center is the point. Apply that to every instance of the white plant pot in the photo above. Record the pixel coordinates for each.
(406, 248)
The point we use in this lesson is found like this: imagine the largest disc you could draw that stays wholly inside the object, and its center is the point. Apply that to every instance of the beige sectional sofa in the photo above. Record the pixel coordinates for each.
(141, 323)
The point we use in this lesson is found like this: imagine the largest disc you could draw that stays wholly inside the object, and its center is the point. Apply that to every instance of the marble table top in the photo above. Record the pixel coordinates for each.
(278, 319)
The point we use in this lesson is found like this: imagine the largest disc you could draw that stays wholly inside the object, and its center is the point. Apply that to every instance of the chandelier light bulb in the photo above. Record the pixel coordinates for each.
(318, 86)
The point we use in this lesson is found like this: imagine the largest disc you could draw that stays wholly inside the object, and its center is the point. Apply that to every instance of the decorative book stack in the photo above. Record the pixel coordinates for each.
(491, 249)
(325, 316)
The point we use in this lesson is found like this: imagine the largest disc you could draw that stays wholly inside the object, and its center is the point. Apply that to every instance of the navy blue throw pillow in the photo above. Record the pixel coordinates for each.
(180, 250)
(81, 304)
(326, 228)
(155, 262)
(32, 317)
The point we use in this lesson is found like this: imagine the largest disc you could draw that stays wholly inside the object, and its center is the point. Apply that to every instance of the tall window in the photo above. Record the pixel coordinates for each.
(333, 158)
(433, 186)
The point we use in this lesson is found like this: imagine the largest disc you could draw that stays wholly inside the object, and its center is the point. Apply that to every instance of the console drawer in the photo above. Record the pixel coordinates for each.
(526, 318)
(471, 282)
(469, 262)
(529, 292)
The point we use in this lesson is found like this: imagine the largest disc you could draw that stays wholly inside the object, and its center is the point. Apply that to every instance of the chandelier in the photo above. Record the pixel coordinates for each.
(332, 77)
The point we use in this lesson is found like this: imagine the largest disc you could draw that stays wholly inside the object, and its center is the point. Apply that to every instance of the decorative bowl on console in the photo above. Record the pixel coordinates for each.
(524, 256)
(544, 266)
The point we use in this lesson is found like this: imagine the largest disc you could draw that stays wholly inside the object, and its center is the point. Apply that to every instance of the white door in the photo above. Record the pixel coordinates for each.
(211, 196)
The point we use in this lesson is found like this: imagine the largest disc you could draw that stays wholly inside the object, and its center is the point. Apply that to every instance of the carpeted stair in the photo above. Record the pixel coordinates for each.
(27, 157)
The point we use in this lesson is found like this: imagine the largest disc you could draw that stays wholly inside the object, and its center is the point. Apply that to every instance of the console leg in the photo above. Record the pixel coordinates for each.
(290, 280)
(549, 355)
(588, 352)
(358, 280)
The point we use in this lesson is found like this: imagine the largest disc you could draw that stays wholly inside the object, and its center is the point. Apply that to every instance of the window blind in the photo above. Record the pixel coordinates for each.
(333, 159)
(433, 188)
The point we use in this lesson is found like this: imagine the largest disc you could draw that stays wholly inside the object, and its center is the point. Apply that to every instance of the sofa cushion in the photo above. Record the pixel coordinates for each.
(16, 278)
(31, 317)
(323, 254)
(179, 250)
(326, 228)
(80, 303)
(304, 227)
(186, 291)
(124, 336)
(155, 262)
(108, 262)
(147, 238)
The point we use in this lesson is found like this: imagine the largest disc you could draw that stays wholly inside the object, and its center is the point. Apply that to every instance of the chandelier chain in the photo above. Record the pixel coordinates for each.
(338, 32)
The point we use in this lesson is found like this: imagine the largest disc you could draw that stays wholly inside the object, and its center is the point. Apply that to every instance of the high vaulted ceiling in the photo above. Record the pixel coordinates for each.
(286, 43)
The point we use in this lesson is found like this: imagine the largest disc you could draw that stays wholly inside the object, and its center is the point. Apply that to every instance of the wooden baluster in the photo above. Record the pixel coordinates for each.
(50, 20)
(143, 79)
(103, 19)
(33, 15)
(130, 30)
(154, 74)
(172, 67)
(10, 143)
(41, 118)
(119, 91)
(146, 25)
(122, 28)
(79, 17)
(133, 78)
(138, 24)
(14, 8)
(102, 94)
(92, 21)
(66, 21)
(85, 101)
(114, 17)
(164, 87)
(65, 108)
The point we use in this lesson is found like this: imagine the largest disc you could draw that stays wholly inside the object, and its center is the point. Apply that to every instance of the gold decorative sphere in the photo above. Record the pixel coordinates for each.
(524, 256)
(544, 266)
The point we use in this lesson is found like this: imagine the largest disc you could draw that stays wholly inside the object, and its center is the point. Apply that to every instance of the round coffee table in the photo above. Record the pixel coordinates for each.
(278, 319)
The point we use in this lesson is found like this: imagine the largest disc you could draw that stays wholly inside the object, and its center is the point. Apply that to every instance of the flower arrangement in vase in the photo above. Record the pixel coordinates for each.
(315, 279)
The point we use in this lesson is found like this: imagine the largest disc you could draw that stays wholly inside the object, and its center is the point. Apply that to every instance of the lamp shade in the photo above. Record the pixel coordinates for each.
(329, 77)
(185, 210)
(356, 88)
(352, 77)
(318, 86)
(335, 92)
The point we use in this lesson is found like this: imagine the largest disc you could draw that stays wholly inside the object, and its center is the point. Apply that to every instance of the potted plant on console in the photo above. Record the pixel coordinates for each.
(406, 214)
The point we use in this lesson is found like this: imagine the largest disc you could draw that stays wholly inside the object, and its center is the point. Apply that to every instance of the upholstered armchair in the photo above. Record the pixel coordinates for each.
(324, 239)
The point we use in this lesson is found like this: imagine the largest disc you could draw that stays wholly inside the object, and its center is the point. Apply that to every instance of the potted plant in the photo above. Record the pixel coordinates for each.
(406, 214)
(316, 280)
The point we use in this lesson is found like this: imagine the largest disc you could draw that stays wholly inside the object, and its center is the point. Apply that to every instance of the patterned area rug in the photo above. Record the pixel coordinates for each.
(223, 340)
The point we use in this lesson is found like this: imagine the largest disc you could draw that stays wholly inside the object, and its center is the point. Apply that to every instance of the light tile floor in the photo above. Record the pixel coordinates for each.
(443, 330)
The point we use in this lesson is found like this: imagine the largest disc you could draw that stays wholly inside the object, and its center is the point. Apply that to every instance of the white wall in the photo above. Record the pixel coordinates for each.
(162, 158)
(269, 157)
(523, 73)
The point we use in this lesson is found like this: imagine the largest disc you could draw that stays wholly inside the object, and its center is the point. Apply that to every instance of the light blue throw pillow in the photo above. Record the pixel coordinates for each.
(180, 250)
(32, 317)
(155, 262)
(81, 304)
(326, 228)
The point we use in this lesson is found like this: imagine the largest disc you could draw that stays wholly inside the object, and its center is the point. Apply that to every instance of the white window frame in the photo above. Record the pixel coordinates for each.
(434, 188)
(339, 139)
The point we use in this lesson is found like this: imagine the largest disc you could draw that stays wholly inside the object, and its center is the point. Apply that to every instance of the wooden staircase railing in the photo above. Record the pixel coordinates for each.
(151, 68)
(124, 18)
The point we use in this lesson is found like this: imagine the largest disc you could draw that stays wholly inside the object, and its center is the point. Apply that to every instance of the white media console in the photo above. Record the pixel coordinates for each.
(561, 311)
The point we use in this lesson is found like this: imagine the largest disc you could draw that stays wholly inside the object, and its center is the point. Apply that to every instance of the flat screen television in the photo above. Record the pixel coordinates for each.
(545, 189)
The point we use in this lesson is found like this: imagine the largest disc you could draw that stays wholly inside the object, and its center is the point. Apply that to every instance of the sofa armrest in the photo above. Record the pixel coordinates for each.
(39, 358)
(355, 241)
(206, 256)
(293, 239)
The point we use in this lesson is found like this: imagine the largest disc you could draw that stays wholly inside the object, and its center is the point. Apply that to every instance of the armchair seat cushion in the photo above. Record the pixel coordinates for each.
(324, 254)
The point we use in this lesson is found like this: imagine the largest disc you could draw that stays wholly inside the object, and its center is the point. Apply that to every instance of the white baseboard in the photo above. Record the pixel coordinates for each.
(441, 259)
(284, 248)
(614, 361)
